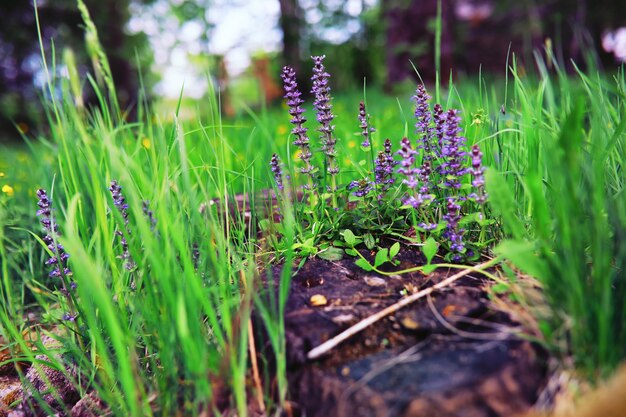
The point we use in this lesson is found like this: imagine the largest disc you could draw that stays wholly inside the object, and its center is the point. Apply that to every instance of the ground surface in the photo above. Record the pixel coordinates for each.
(452, 354)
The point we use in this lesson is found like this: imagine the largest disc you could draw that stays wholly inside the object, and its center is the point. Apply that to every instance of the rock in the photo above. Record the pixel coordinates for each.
(10, 392)
(47, 383)
(89, 406)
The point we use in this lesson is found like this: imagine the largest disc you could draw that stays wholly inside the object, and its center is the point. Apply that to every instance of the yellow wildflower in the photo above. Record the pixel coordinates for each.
(351, 144)
(1, 174)
(146, 143)
(282, 129)
(8, 190)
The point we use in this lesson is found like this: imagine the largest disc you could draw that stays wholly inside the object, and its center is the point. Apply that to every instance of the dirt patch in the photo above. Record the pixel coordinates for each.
(452, 354)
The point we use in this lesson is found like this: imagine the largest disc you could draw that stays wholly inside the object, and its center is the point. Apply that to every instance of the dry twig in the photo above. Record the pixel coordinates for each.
(368, 321)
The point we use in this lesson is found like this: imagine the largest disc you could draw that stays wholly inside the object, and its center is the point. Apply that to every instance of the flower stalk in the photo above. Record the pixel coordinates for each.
(120, 203)
(294, 103)
(383, 170)
(58, 258)
(321, 91)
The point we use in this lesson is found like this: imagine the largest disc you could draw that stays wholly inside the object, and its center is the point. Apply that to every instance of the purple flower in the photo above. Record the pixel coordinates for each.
(424, 175)
(427, 226)
(321, 91)
(423, 117)
(454, 157)
(407, 153)
(195, 255)
(145, 207)
(69, 317)
(452, 232)
(120, 203)
(383, 170)
(406, 168)
(478, 182)
(59, 257)
(294, 102)
(366, 130)
(425, 137)
(277, 171)
(363, 187)
(439, 119)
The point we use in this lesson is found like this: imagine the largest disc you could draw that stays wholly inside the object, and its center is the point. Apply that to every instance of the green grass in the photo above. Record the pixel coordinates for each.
(153, 340)
(566, 210)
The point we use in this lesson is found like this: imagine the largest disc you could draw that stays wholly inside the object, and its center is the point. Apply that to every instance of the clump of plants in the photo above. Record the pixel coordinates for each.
(426, 188)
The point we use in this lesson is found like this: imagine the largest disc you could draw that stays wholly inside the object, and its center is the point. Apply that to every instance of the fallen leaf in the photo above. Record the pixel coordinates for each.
(318, 300)
(409, 323)
(374, 281)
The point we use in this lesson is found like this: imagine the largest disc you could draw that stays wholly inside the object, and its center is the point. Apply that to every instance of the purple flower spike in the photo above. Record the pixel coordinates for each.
(321, 91)
(479, 195)
(59, 257)
(438, 118)
(145, 207)
(363, 187)
(406, 168)
(452, 232)
(428, 226)
(120, 203)
(423, 117)
(424, 176)
(453, 166)
(406, 164)
(383, 170)
(366, 130)
(277, 171)
(294, 102)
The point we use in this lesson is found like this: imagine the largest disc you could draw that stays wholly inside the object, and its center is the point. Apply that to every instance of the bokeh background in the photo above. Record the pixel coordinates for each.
(238, 46)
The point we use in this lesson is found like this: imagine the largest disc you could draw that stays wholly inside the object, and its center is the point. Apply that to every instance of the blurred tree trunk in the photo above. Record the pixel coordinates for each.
(291, 23)
(411, 38)
(113, 41)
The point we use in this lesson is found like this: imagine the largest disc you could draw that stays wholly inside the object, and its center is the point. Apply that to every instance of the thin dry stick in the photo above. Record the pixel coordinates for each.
(255, 368)
(363, 324)
(252, 348)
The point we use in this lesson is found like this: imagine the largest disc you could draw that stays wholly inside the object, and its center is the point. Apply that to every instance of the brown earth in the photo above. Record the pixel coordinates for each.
(452, 354)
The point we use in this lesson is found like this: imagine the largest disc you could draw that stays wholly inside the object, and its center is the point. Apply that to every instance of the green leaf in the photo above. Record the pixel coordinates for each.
(541, 211)
(382, 256)
(362, 263)
(331, 254)
(427, 269)
(470, 218)
(523, 255)
(264, 224)
(571, 135)
(393, 250)
(430, 248)
(500, 288)
(351, 252)
(349, 237)
(503, 202)
(369, 241)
